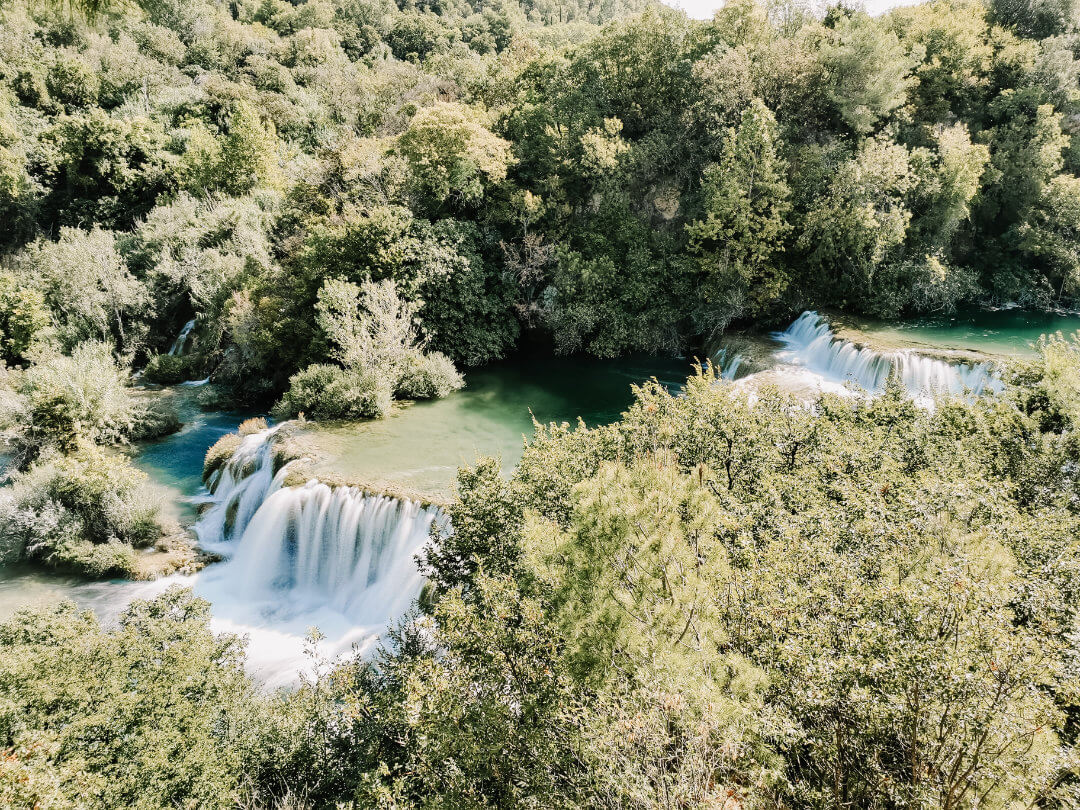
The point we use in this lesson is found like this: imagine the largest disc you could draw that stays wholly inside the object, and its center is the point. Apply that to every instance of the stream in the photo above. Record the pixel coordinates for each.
(343, 560)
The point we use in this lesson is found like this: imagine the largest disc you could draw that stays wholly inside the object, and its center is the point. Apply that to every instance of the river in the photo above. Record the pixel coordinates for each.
(281, 581)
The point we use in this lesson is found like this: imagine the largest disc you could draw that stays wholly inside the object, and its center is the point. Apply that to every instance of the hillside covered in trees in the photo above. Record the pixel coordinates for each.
(729, 598)
(603, 178)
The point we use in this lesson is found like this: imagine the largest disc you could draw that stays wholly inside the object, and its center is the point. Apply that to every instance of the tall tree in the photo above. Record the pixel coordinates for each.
(740, 240)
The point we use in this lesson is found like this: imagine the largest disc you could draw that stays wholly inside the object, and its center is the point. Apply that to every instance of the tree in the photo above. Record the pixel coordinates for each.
(1052, 233)
(24, 319)
(866, 70)
(102, 170)
(370, 326)
(947, 186)
(780, 557)
(739, 243)
(88, 288)
(1037, 19)
(373, 334)
(861, 220)
(62, 401)
(249, 153)
(453, 156)
(955, 51)
(1026, 152)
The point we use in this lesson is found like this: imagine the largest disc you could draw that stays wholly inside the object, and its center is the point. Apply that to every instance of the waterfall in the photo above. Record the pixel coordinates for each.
(353, 551)
(181, 339)
(727, 367)
(810, 342)
(238, 489)
(338, 558)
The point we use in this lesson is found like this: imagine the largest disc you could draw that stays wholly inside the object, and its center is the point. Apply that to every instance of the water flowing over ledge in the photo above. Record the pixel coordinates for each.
(727, 367)
(811, 344)
(181, 340)
(310, 555)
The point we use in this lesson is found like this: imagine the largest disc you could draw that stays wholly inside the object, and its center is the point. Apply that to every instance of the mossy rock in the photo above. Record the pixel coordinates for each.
(219, 454)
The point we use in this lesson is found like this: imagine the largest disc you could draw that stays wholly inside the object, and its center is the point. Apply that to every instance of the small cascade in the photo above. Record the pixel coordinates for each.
(725, 366)
(181, 339)
(238, 489)
(810, 343)
(336, 558)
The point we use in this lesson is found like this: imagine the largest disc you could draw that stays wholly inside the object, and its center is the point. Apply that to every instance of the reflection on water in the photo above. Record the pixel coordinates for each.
(22, 587)
(420, 446)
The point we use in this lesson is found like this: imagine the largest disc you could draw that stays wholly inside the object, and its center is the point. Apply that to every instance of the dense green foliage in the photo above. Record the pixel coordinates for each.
(609, 177)
(154, 713)
(710, 603)
(68, 503)
(87, 513)
(715, 602)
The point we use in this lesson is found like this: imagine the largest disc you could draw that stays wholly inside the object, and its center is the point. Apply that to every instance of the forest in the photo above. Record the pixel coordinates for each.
(320, 210)
(599, 179)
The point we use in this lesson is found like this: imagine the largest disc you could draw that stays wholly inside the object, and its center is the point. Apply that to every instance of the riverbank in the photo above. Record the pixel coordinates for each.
(413, 456)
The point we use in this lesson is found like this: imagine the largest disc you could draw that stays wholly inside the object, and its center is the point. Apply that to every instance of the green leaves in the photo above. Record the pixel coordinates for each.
(152, 713)
(453, 156)
(740, 242)
(846, 581)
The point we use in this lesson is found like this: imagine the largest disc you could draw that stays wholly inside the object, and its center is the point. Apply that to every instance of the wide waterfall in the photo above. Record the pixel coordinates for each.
(353, 551)
(181, 339)
(310, 555)
(810, 343)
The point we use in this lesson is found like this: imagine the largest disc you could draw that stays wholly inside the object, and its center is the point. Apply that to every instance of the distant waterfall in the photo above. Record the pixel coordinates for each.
(811, 343)
(181, 339)
(335, 557)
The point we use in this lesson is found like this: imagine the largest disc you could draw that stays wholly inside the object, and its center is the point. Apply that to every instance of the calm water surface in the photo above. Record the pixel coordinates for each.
(420, 446)
(1010, 332)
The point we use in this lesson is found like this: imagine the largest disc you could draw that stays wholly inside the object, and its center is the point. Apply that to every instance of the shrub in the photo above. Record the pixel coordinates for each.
(330, 392)
(86, 512)
(65, 400)
(251, 426)
(154, 420)
(428, 376)
(24, 318)
(219, 454)
(170, 369)
(377, 341)
(96, 561)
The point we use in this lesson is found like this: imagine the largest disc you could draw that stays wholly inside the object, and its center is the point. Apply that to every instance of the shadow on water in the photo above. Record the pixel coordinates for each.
(420, 446)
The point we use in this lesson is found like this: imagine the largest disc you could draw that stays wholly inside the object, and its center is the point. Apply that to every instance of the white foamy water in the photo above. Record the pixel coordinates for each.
(299, 557)
(809, 343)
(181, 339)
(727, 367)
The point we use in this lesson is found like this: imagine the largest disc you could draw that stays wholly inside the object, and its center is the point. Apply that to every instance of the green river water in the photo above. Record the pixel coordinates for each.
(419, 446)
